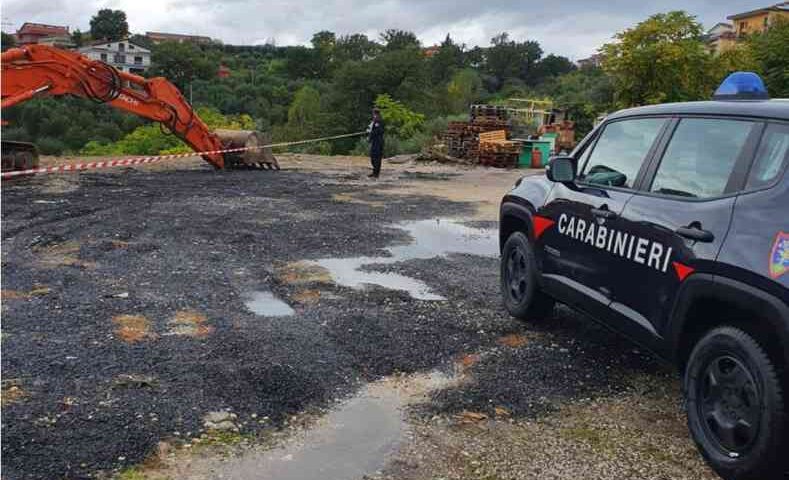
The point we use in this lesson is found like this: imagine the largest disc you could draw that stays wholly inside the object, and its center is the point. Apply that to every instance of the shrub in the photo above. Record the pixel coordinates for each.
(150, 139)
(50, 146)
(399, 119)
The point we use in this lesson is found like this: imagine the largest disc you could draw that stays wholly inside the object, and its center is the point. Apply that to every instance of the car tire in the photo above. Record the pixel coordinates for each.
(520, 292)
(736, 406)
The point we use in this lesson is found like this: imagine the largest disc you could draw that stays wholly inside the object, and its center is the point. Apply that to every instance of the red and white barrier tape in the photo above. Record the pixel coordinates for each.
(157, 158)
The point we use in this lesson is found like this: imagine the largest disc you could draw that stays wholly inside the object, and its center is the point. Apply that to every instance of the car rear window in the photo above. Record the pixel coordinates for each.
(772, 155)
(700, 157)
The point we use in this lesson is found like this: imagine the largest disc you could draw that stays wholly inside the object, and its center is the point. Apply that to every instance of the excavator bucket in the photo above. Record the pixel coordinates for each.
(255, 158)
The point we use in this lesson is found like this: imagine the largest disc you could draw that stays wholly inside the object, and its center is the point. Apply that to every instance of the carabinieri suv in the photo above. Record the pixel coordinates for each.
(670, 224)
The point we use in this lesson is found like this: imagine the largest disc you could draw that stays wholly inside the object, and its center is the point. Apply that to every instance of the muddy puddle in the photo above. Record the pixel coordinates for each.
(265, 304)
(356, 439)
(430, 239)
(352, 441)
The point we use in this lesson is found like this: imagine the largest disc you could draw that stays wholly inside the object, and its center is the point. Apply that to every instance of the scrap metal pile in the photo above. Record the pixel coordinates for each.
(462, 139)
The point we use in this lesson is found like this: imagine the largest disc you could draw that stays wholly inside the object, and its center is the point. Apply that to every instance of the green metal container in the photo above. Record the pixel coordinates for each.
(551, 137)
(545, 150)
(524, 161)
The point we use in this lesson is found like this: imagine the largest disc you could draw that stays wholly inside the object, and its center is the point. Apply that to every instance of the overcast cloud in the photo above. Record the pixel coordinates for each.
(572, 28)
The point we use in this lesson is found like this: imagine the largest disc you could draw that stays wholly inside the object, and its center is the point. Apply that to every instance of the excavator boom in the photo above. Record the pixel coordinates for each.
(36, 70)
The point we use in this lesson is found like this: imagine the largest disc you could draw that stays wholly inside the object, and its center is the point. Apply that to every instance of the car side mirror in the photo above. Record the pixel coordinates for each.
(561, 170)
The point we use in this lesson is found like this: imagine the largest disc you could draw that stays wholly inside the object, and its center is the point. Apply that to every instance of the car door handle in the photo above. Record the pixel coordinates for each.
(695, 232)
(603, 212)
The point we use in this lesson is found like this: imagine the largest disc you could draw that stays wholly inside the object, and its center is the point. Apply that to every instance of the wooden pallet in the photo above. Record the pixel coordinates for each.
(462, 139)
(492, 111)
(499, 160)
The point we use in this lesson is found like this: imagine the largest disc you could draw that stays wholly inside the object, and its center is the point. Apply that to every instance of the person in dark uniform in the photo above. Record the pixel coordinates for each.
(376, 138)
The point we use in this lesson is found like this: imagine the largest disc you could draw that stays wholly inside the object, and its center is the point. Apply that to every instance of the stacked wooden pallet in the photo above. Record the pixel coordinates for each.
(462, 138)
(500, 155)
(488, 124)
(491, 111)
(496, 151)
(566, 134)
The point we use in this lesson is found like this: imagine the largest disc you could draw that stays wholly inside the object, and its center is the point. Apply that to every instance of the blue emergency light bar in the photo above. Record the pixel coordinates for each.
(741, 86)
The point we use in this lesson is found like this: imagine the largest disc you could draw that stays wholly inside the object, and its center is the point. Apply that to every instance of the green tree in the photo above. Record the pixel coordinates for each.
(662, 59)
(552, 66)
(303, 62)
(399, 39)
(182, 63)
(464, 88)
(507, 59)
(304, 113)
(7, 41)
(474, 58)
(770, 51)
(399, 118)
(142, 41)
(585, 94)
(355, 86)
(445, 61)
(110, 25)
(355, 47)
(735, 59)
(324, 43)
(78, 38)
(151, 140)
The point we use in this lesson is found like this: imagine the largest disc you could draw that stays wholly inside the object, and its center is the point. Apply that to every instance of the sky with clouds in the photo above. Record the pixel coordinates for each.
(573, 28)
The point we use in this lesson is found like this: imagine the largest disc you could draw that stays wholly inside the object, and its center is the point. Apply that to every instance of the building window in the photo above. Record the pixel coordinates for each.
(120, 58)
(138, 60)
(103, 57)
(121, 47)
(131, 47)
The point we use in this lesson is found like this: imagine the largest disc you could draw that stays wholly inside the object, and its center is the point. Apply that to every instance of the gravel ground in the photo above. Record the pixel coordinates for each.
(97, 269)
(636, 434)
(124, 324)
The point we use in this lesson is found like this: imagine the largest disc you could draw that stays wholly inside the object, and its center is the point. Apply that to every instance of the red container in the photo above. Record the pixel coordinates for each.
(536, 158)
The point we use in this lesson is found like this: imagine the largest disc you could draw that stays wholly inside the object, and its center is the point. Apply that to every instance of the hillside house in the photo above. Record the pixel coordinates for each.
(720, 38)
(30, 33)
(123, 55)
(759, 20)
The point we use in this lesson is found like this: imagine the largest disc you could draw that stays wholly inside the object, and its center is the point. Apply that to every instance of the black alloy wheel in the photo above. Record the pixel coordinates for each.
(730, 405)
(736, 405)
(520, 292)
(517, 278)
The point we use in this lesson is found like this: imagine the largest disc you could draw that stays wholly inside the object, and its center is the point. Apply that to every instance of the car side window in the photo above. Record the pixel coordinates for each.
(772, 155)
(700, 157)
(619, 152)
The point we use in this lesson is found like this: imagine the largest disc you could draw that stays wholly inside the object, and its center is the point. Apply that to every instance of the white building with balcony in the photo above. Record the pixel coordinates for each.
(123, 55)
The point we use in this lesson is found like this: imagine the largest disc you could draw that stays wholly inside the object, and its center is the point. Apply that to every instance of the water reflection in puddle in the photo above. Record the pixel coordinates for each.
(431, 238)
(354, 440)
(266, 304)
(346, 271)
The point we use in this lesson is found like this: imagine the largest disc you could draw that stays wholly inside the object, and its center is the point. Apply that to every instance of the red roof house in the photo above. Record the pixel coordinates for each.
(33, 32)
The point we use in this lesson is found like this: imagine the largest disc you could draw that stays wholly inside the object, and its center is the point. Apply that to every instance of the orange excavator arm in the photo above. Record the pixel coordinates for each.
(36, 70)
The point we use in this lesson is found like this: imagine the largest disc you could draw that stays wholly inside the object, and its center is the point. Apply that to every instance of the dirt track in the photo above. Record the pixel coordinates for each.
(124, 324)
